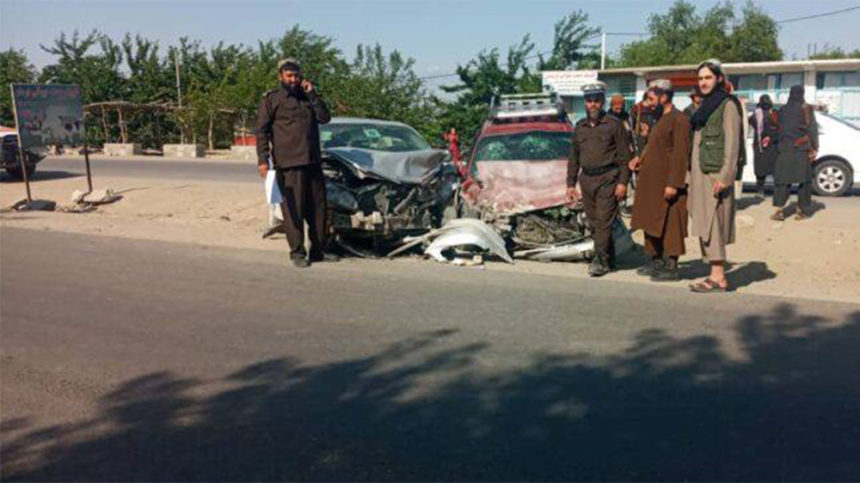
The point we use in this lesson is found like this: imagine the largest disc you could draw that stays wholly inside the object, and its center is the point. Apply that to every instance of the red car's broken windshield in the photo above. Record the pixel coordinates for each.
(527, 146)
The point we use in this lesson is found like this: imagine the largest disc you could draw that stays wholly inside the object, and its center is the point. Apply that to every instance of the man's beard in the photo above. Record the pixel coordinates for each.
(293, 89)
(593, 115)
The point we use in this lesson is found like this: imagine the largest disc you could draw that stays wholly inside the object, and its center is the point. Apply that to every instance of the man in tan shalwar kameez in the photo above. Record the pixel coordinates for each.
(713, 166)
(660, 207)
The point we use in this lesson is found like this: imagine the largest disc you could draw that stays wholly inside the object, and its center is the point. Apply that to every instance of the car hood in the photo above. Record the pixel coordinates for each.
(411, 167)
(510, 187)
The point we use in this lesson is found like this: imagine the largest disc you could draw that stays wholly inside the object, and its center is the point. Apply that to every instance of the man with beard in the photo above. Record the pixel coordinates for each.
(764, 141)
(695, 102)
(616, 110)
(288, 130)
(660, 207)
(798, 148)
(599, 148)
(645, 115)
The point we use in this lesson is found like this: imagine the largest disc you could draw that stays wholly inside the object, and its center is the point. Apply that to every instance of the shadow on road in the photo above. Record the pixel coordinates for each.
(748, 202)
(40, 176)
(666, 408)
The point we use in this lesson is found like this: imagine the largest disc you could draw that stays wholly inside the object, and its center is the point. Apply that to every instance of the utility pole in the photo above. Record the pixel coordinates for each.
(603, 51)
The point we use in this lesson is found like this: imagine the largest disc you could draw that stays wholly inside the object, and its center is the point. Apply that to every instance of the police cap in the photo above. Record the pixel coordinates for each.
(594, 90)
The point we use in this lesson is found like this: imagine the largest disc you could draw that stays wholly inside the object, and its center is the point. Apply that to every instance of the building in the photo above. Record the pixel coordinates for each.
(832, 84)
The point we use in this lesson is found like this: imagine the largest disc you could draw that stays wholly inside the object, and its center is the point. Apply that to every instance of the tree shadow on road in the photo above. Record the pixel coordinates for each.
(666, 408)
(40, 176)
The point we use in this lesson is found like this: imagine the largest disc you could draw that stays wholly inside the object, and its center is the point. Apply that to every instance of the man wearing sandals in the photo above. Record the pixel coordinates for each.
(713, 165)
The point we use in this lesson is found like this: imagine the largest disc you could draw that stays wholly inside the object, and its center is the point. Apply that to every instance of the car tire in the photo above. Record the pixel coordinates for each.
(832, 177)
(14, 172)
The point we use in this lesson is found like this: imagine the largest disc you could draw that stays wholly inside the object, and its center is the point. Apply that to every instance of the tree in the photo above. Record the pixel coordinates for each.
(14, 68)
(681, 36)
(569, 37)
(836, 53)
(486, 77)
(755, 38)
(385, 87)
(97, 73)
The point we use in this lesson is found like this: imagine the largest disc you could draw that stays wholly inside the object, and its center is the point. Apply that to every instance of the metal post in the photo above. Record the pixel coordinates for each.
(603, 51)
(20, 146)
(87, 161)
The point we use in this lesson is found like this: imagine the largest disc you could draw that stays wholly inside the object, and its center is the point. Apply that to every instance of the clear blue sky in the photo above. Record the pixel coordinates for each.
(438, 34)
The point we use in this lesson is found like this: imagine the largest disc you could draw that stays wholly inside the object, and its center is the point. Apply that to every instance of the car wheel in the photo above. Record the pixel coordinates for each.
(833, 177)
(14, 172)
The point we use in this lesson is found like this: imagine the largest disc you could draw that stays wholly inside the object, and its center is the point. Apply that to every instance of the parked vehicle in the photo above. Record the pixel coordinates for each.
(10, 161)
(837, 167)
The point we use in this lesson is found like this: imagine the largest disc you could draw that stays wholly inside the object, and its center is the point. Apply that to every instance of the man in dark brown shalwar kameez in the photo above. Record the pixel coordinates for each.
(660, 207)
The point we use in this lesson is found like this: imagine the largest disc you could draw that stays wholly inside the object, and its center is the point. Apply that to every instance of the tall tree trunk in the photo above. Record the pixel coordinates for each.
(122, 132)
(105, 127)
(211, 132)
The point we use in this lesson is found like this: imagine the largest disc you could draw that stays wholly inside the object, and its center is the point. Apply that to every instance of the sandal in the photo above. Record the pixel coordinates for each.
(707, 286)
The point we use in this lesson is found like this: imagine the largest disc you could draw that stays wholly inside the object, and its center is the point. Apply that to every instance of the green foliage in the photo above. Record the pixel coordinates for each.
(836, 53)
(14, 69)
(486, 76)
(681, 36)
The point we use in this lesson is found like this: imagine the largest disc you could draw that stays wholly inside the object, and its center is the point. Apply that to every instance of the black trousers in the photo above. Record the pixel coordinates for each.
(303, 190)
(601, 209)
(804, 195)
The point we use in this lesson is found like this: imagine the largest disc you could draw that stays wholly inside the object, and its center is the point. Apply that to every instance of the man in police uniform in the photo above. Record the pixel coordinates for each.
(288, 130)
(600, 150)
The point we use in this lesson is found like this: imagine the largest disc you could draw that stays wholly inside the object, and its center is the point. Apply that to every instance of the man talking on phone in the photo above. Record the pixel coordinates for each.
(288, 130)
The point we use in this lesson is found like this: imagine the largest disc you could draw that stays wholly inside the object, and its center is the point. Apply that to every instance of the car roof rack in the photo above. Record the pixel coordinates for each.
(512, 106)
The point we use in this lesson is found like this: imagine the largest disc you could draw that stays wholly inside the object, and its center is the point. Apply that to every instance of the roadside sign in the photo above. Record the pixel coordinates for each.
(48, 114)
(567, 83)
(45, 115)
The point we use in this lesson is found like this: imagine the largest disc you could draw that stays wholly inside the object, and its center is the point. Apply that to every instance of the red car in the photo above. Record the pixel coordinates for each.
(516, 179)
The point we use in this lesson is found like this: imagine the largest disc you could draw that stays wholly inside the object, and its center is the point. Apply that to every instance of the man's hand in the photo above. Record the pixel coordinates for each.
(620, 191)
(765, 142)
(307, 86)
(634, 164)
(670, 192)
(813, 154)
(719, 188)
(263, 169)
(573, 194)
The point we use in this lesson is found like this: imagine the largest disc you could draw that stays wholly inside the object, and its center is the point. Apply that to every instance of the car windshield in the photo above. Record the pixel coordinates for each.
(378, 137)
(528, 146)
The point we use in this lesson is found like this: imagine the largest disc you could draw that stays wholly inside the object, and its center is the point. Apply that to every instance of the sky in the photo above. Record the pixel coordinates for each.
(438, 34)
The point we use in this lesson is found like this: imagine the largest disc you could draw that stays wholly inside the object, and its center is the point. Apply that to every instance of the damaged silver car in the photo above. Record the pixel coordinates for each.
(384, 182)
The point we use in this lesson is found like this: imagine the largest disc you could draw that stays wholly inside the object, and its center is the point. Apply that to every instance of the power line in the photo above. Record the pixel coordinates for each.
(529, 57)
(788, 20)
(825, 14)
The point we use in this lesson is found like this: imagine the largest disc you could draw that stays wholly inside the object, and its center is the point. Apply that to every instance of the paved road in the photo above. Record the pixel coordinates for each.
(138, 360)
(231, 171)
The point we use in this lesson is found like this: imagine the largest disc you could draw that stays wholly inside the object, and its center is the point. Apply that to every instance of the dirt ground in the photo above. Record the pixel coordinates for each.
(817, 258)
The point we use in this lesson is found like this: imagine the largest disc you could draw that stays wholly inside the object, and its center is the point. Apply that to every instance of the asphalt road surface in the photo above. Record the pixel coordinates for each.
(138, 360)
(231, 171)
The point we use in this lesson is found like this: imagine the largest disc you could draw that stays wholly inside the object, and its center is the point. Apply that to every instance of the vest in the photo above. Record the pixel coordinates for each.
(712, 143)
